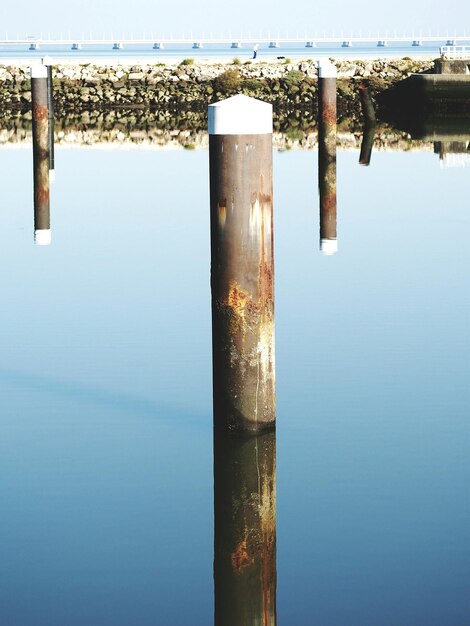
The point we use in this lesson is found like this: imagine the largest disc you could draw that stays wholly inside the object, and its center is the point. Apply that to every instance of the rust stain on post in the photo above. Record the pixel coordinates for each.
(242, 280)
(222, 214)
(40, 113)
(241, 557)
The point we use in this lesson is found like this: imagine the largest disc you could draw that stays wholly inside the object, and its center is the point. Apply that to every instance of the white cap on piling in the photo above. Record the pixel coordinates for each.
(328, 246)
(326, 69)
(240, 115)
(38, 70)
(42, 237)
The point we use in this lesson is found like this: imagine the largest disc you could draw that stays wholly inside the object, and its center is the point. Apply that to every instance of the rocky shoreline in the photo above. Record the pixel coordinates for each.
(191, 87)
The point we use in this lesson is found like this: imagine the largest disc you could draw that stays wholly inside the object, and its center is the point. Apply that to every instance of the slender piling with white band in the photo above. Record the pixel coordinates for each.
(42, 224)
(242, 263)
(327, 155)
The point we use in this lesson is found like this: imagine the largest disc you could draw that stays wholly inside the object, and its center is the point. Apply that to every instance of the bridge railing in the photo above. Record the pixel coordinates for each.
(455, 52)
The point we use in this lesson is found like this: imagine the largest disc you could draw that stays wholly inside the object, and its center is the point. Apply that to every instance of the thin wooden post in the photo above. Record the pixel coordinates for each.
(368, 113)
(42, 224)
(327, 156)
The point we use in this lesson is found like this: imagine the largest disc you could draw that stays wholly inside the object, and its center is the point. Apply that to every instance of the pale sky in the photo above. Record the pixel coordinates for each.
(249, 18)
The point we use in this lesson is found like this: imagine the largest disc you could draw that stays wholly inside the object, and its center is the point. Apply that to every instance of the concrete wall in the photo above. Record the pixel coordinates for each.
(457, 66)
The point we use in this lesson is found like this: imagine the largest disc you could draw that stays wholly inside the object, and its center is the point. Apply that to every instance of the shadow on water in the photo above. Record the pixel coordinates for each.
(245, 529)
(86, 395)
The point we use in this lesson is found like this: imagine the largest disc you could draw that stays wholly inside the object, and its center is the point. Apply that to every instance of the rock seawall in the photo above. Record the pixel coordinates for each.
(86, 86)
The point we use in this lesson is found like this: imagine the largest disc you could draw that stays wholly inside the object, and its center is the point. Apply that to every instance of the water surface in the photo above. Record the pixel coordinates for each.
(106, 467)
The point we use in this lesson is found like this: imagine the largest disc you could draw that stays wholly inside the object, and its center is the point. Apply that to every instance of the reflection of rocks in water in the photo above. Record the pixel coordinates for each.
(450, 137)
(427, 127)
(129, 127)
(453, 151)
(245, 529)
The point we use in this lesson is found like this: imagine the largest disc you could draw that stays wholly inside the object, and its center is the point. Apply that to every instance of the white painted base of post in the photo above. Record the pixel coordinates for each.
(42, 237)
(38, 70)
(328, 246)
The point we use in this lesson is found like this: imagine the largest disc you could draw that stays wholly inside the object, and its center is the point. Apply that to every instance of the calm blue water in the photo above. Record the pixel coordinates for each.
(106, 477)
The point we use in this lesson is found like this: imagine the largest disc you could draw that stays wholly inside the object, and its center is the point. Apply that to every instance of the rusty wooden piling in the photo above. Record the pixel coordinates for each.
(42, 225)
(327, 156)
(245, 529)
(368, 113)
(242, 263)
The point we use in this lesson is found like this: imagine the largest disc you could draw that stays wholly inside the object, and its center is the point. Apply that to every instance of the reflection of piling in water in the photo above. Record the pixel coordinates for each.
(368, 113)
(242, 263)
(367, 144)
(327, 156)
(245, 529)
(42, 226)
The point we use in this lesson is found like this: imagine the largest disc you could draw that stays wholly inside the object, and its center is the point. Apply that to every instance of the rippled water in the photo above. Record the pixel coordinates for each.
(106, 451)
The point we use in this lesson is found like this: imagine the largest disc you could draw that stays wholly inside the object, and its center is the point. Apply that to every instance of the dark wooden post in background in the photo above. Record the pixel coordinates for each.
(42, 224)
(327, 155)
(245, 529)
(242, 263)
(368, 113)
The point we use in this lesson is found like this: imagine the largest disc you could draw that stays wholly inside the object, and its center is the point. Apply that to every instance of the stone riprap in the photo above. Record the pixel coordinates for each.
(79, 87)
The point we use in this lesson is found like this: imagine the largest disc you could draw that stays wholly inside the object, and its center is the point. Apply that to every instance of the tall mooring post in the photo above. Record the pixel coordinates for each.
(327, 155)
(245, 529)
(242, 264)
(42, 224)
